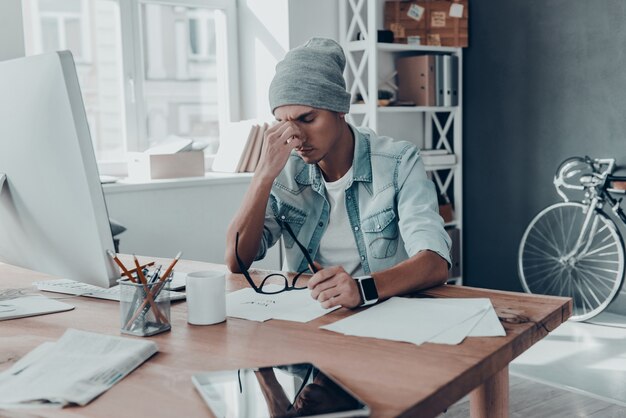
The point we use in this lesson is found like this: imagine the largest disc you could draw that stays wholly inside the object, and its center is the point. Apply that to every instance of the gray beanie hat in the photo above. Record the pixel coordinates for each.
(311, 75)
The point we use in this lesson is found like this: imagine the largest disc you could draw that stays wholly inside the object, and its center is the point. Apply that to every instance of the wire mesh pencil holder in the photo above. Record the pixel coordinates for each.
(144, 308)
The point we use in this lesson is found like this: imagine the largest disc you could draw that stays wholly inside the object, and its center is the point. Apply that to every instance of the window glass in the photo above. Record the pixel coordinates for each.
(49, 35)
(167, 87)
(100, 78)
(180, 86)
(73, 35)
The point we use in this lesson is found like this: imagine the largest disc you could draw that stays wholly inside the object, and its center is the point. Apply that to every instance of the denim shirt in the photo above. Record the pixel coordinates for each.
(391, 205)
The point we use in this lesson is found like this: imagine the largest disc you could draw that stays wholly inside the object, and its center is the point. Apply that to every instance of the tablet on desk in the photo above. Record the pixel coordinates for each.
(294, 390)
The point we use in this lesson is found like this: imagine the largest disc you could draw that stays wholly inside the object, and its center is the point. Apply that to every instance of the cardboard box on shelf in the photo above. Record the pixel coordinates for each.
(436, 22)
(144, 166)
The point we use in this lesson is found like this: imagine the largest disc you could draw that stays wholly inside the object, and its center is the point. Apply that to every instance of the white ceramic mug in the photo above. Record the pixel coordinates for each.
(206, 297)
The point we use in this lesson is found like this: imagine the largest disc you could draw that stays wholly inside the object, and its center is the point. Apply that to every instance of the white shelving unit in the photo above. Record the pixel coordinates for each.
(370, 67)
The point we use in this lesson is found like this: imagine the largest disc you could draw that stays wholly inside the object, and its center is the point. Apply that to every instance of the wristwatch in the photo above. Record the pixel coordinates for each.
(367, 290)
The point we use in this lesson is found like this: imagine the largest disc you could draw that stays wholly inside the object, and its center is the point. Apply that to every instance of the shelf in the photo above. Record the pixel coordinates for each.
(387, 47)
(360, 109)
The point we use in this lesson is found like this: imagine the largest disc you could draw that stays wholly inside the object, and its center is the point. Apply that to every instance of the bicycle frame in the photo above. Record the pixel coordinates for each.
(596, 190)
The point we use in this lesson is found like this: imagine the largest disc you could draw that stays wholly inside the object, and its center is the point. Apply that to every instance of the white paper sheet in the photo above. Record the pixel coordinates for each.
(484, 324)
(77, 368)
(420, 320)
(295, 305)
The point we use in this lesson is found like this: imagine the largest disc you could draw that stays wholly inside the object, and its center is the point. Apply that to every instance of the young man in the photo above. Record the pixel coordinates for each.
(360, 204)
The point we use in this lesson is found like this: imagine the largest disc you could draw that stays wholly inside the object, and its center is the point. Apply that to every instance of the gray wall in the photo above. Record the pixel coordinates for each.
(544, 80)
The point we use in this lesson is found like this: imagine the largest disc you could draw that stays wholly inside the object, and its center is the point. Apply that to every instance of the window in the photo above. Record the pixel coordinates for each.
(148, 69)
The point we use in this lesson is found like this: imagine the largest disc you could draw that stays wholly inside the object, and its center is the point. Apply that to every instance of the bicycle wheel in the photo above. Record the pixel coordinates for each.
(548, 264)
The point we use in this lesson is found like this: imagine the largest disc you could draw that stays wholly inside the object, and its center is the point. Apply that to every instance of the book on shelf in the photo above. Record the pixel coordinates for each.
(240, 147)
(432, 157)
(247, 150)
(256, 148)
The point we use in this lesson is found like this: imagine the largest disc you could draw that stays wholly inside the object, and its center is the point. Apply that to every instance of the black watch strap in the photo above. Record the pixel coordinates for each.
(367, 290)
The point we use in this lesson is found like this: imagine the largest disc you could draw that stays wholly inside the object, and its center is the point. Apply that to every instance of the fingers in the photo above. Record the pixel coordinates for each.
(333, 287)
(276, 150)
(285, 133)
(323, 275)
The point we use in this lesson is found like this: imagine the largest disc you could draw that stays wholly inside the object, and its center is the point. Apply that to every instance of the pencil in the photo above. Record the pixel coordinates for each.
(171, 266)
(121, 265)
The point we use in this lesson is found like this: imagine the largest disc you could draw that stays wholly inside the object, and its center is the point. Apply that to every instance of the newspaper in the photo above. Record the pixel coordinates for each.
(74, 370)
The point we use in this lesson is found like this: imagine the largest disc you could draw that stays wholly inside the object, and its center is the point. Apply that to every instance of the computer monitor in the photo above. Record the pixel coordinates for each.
(53, 217)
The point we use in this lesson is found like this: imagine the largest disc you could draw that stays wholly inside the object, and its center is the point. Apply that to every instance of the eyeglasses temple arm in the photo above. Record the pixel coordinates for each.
(304, 250)
(242, 266)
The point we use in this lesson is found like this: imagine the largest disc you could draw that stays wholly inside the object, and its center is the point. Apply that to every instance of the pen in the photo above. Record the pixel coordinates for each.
(121, 265)
(155, 275)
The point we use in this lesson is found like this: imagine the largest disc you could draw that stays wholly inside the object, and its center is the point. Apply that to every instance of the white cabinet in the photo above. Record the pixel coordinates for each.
(370, 68)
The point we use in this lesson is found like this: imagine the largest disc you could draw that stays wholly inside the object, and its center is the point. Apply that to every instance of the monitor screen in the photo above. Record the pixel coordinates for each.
(53, 216)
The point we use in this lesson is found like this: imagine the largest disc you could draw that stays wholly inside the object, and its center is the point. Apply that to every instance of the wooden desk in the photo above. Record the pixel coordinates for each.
(395, 379)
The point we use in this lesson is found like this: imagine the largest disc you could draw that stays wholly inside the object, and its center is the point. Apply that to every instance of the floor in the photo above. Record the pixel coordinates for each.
(579, 370)
(529, 399)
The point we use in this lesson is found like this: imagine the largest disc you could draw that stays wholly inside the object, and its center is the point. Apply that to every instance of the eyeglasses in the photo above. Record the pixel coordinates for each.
(263, 288)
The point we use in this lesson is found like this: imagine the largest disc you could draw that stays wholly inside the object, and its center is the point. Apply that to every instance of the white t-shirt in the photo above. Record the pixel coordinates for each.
(337, 246)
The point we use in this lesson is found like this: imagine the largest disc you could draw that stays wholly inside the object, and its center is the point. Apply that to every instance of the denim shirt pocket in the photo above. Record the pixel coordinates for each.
(294, 217)
(381, 233)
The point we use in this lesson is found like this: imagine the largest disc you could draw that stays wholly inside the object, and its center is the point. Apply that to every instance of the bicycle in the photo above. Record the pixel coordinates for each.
(573, 248)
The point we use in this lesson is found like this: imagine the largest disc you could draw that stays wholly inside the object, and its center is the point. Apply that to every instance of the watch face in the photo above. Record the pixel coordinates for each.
(369, 289)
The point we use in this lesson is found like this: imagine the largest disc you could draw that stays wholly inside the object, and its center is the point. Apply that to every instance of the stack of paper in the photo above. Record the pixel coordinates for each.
(295, 305)
(75, 369)
(442, 321)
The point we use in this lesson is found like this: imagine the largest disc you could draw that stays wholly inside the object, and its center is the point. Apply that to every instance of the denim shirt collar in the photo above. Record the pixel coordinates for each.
(361, 163)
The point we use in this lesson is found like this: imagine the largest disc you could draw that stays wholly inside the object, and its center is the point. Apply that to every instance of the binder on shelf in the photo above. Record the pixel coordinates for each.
(416, 80)
(450, 80)
(439, 79)
(447, 80)
(455, 80)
